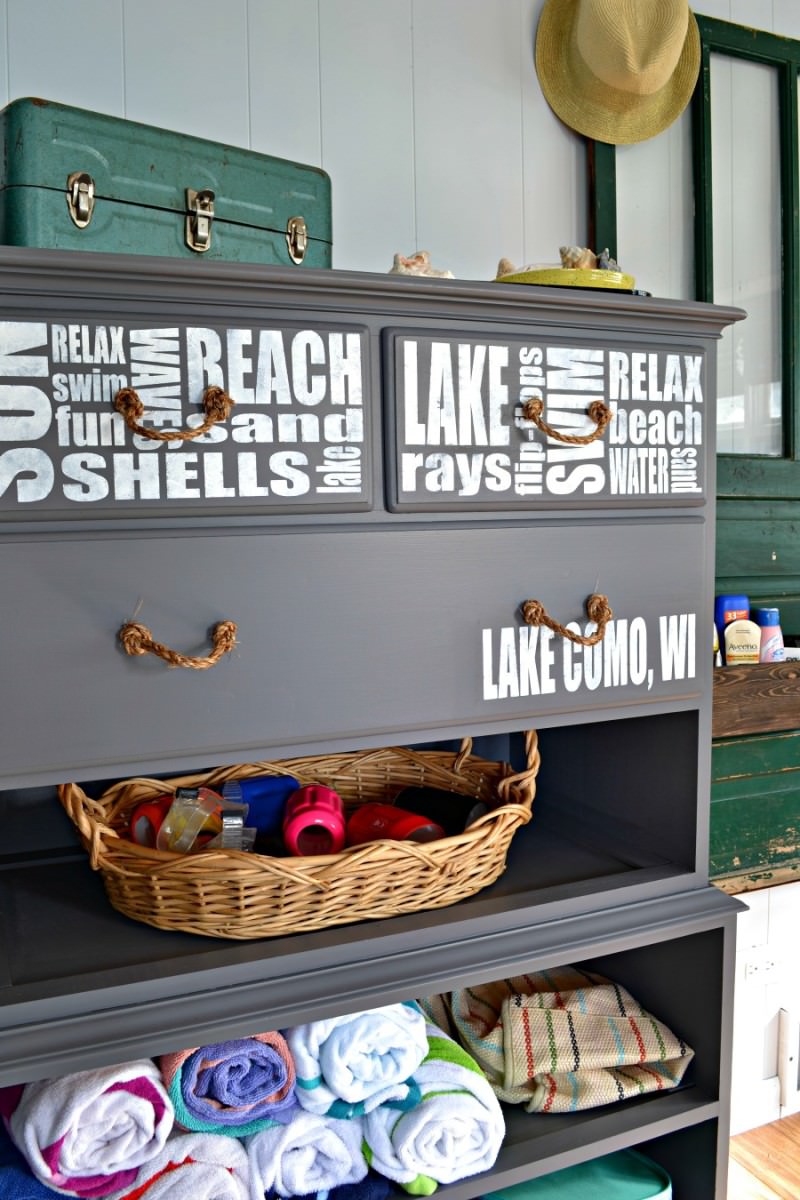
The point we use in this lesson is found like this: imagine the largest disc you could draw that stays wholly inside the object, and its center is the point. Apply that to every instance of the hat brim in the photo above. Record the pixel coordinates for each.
(590, 106)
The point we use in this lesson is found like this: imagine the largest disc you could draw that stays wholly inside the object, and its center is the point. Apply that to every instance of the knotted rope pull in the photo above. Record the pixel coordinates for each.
(599, 412)
(598, 610)
(217, 406)
(137, 639)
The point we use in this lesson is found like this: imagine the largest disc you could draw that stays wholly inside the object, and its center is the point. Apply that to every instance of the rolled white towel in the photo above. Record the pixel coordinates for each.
(311, 1154)
(195, 1166)
(87, 1134)
(455, 1130)
(348, 1065)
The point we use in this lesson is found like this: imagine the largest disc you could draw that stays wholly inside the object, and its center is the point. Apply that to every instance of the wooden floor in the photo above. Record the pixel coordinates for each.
(765, 1162)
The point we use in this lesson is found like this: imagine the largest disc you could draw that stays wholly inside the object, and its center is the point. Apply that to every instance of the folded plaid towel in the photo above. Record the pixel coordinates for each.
(349, 1065)
(87, 1134)
(236, 1087)
(455, 1130)
(562, 1040)
(311, 1154)
(193, 1166)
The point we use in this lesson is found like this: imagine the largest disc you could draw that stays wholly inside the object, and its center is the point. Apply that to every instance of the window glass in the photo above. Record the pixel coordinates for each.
(745, 154)
(654, 211)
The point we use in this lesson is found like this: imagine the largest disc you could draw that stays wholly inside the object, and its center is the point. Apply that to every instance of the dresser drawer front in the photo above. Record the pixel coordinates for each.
(297, 439)
(616, 422)
(344, 638)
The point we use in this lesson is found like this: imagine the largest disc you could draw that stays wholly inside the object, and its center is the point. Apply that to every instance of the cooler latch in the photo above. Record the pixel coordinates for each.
(199, 215)
(296, 238)
(80, 197)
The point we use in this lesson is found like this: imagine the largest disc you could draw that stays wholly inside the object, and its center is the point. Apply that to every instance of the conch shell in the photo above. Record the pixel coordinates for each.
(579, 258)
(505, 267)
(417, 264)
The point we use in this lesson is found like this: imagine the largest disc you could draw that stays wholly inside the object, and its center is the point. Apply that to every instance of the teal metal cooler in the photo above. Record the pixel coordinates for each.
(79, 180)
(624, 1175)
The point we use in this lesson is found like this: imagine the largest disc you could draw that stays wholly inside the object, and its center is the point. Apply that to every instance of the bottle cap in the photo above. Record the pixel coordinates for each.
(729, 608)
(767, 616)
(313, 821)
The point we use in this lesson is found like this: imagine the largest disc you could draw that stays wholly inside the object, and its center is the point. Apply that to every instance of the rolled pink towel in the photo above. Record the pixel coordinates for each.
(238, 1087)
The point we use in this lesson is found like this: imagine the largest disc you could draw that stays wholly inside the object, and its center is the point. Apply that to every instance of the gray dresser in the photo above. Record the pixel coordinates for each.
(373, 515)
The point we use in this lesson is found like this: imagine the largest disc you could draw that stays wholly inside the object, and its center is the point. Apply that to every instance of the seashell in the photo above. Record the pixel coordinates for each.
(505, 267)
(578, 258)
(605, 262)
(417, 264)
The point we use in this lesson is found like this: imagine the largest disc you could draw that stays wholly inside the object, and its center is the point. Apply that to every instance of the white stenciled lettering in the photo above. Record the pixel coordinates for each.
(681, 425)
(89, 428)
(574, 370)
(464, 402)
(635, 471)
(87, 343)
(25, 413)
(86, 473)
(308, 352)
(677, 639)
(17, 337)
(524, 661)
(656, 378)
(30, 469)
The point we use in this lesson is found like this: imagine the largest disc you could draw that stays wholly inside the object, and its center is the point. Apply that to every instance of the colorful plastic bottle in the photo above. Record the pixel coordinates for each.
(729, 608)
(313, 821)
(265, 796)
(771, 648)
(374, 821)
(742, 643)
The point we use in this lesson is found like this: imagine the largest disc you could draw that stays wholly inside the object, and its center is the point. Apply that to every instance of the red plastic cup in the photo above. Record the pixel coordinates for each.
(313, 821)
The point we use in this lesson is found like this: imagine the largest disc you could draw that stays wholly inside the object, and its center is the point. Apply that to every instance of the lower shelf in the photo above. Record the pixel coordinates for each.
(537, 1145)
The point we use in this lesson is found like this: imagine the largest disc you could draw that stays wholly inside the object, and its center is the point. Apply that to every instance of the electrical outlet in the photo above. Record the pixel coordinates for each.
(761, 968)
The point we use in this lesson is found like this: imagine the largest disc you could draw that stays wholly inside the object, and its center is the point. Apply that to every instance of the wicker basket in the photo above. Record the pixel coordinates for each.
(231, 894)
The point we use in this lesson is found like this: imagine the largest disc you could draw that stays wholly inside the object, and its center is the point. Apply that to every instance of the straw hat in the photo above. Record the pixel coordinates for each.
(619, 71)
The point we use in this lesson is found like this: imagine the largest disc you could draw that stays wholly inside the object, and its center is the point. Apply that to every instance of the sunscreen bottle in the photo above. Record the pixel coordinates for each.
(769, 622)
(742, 643)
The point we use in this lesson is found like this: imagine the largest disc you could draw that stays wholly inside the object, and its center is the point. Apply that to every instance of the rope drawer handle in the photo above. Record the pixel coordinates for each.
(137, 639)
(599, 412)
(217, 406)
(597, 610)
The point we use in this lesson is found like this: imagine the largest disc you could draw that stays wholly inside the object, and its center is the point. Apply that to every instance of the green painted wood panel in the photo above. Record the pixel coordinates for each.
(755, 804)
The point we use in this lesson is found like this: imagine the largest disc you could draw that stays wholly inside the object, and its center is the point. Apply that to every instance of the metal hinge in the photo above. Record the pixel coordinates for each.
(80, 197)
(296, 238)
(199, 215)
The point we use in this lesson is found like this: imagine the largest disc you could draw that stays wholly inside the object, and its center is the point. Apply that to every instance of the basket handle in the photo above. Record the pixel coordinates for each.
(600, 413)
(217, 406)
(597, 610)
(137, 639)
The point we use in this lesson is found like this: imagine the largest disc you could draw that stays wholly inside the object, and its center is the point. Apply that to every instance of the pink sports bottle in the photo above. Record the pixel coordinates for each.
(313, 821)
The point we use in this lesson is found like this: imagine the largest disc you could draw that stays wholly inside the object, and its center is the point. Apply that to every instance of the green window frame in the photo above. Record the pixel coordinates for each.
(738, 474)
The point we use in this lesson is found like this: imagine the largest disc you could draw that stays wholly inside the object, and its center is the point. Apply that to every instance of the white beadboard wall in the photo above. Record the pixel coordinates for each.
(427, 115)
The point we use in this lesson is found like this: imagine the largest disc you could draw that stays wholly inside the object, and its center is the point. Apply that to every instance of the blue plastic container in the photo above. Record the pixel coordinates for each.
(266, 796)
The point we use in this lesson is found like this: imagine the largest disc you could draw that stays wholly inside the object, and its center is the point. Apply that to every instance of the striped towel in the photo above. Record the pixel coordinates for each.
(311, 1154)
(236, 1087)
(563, 1040)
(88, 1133)
(193, 1166)
(348, 1065)
(454, 1131)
